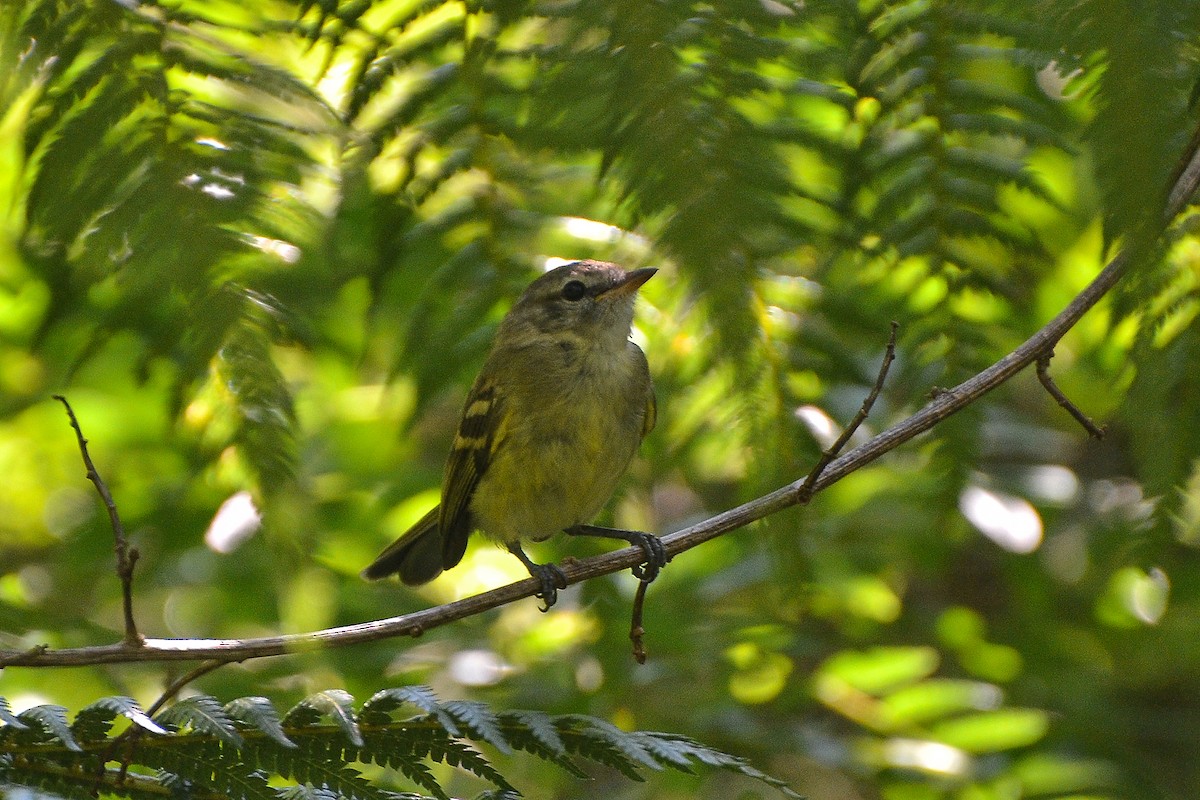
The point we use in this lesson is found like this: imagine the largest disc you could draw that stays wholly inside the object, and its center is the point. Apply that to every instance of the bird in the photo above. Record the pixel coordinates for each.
(550, 425)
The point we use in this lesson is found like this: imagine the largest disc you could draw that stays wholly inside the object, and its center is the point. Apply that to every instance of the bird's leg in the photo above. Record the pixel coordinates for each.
(652, 547)
(548, 575)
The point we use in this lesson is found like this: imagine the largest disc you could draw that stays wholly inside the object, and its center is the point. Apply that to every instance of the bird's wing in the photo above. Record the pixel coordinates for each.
(479, 430)
(651, 412)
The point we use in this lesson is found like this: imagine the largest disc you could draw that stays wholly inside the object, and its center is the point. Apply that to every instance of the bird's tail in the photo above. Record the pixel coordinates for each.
(416, 556)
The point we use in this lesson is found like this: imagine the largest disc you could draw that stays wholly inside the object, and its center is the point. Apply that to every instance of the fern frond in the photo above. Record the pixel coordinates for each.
(93, 722)
(50, 721)
(207, 754)
(204, 761)
(680, 752)
(478, 722)
(259, 714)
(388, 700)
(606, 744)
(336, 704)
(203, 714)
(8, 718)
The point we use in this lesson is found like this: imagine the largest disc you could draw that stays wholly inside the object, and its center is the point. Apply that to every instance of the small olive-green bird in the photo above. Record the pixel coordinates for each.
(552, 422)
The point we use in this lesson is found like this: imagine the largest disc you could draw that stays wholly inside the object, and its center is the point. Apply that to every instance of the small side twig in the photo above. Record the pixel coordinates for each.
(32, 652)
(126, 556)
(636, 631)
(175, 686)
(805, 492)
(127, 740)
(1043, 366)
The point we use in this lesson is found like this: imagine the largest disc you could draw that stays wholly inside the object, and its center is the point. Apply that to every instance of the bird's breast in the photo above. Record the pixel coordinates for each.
(565, 448)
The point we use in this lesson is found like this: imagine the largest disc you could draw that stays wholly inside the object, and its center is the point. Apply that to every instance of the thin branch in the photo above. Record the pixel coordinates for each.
(636, 631)
(1043, 366)
(807, 488)
(939, 408)
(128, 739)
(183, 680)
(126, 556)
(944, 404)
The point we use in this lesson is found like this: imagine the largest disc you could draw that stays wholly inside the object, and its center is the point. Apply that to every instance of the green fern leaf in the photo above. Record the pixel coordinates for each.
(666, 750)
(259, 714)
(537, 725)
(680, 750)
(206, 762)
(305, 791)
(460, 755)
(605, 743)
(321, 763)
(56, 780)
(479, 721)
(337, 704)
(7, 717)
(263, 403)
(91, 722)
(203, 714)
(535, 733)
(403, 748)
(51, 719)
(413, 768)
(499, 794)
(399, 747)
(388, 700)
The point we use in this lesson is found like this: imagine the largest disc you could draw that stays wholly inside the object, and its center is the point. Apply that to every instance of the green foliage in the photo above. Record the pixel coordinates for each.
(262, 248)
(201, 748)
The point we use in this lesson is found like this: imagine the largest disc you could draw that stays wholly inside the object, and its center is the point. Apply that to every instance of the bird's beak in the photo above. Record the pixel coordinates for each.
(628, 285)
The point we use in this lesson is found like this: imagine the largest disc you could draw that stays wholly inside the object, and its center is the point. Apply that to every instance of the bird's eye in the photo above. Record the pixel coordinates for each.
(574, 290)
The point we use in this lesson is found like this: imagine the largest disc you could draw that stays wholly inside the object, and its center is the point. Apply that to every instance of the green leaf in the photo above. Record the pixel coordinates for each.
(6, 716)
(387, 700)
(994, 731)
(336, 704)
(606, 744)
(204, 715)
(882, 668)
(259, 714)
(536, 733)
(106, 708)
(479, 722)
(52, 719)
(680, 751)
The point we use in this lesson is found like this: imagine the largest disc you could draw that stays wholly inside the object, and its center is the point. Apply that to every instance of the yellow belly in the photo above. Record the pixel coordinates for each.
(538, 485)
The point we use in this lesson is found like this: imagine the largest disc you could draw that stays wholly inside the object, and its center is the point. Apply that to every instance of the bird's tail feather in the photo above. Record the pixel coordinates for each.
(416, 556)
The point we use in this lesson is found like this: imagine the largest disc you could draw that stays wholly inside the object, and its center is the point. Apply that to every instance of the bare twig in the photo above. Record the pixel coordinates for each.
(636, 631)
(183, 680)
(805, 492)
(1043, 366)
(127, 740)
(943, 404)
(126, 556)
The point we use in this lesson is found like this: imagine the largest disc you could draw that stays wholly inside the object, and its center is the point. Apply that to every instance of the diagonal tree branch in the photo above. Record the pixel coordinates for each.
(946, 403)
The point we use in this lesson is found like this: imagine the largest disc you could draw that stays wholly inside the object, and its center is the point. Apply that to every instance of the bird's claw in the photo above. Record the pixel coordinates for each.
(656, 556)
(551, 579)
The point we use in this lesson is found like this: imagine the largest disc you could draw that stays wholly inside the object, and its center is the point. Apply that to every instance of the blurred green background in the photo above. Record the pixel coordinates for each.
(262, 249)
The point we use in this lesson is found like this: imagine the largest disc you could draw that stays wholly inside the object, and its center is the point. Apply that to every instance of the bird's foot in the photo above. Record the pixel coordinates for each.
(656, 556)
(652, 548)
(549, 576)
(552, 579)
